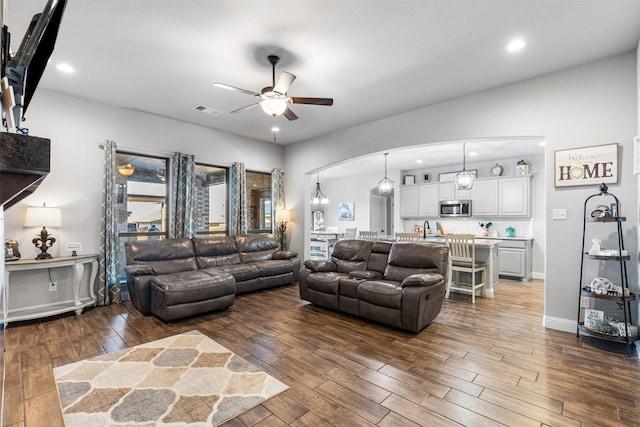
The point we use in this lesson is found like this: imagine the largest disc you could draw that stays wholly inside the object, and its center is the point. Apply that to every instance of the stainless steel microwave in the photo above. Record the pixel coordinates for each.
(455, 208)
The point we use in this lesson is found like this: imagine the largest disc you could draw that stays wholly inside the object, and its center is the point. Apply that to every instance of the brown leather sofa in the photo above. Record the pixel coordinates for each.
(397, 284)
(174, 278)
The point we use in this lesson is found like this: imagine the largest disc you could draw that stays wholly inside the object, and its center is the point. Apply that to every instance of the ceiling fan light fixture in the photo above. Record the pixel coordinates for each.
(273, 106)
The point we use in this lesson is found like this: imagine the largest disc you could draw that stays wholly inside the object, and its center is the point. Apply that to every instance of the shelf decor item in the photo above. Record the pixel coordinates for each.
(409, 179)
(592, 322)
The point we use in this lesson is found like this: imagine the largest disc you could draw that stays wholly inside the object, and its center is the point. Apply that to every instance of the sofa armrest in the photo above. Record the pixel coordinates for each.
(284, 254)
(320, 265)
(139, 270)
(422, 279)
(366, 274)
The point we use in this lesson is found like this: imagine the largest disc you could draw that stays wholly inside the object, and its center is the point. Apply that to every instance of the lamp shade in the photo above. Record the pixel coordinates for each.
(126, 170)
(42, 216)
(283, 215)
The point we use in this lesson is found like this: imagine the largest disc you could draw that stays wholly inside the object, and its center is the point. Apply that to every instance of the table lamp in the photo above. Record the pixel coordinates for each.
(43, 216)
(282, 217)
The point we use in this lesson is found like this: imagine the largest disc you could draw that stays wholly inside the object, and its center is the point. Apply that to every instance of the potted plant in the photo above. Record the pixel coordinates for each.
(485, 228)
(522, 168)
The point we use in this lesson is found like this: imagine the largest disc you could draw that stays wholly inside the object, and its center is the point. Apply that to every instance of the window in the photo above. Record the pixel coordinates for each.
(141, 200)
(211, 200)
(259, 202)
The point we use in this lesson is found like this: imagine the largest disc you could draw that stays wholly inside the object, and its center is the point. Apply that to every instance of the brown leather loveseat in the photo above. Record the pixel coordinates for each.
(174, 278)
(397, 284)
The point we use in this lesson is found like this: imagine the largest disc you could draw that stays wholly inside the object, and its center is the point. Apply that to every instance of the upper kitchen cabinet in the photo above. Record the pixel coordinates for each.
(448, 191)
(514, 196)
(505, 196)
(485, 197)
(419, 200)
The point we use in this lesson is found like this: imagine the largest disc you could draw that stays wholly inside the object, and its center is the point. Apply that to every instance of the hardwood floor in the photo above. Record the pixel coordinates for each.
(483, 365)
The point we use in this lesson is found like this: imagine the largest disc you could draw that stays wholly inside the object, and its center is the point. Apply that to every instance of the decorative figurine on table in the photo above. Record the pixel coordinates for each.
(485, 228)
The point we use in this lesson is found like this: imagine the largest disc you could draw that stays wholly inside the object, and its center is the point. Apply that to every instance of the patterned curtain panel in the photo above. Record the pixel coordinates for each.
(238, 199)
(182, 223)
(277, 198)
(109, 283)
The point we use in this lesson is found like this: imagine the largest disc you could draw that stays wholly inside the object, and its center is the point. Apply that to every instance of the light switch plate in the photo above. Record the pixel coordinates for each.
(74, 246)
(559, 214)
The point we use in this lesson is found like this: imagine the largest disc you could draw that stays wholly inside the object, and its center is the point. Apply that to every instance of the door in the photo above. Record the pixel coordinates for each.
(381, 213)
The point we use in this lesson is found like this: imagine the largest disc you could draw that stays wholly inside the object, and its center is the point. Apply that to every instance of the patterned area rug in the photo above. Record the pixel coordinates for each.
(183, 380)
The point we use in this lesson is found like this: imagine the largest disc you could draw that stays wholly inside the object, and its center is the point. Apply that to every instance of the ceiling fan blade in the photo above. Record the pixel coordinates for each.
(248, 107)
(312, 101)
(283, 83)
(290, 114)
(235, 89)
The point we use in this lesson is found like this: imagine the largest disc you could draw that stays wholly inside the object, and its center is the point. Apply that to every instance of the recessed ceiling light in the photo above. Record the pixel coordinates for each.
(275, 129)
(516, 45)
(473, 153)
(65, 68)
(542, 143)
(419, 161)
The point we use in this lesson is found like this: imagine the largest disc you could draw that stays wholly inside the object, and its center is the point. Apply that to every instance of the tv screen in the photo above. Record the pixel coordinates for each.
(26, 67)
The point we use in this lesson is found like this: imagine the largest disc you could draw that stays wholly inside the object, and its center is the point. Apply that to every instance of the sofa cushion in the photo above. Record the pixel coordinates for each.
(351, 255)
(382, 293)
(379, 256)
(256, 247)
(415, 258)
(349, 286)
(273, 267)
(327, 283)
(240, 272)
(215, 250)
(191, 286)
(162, 256)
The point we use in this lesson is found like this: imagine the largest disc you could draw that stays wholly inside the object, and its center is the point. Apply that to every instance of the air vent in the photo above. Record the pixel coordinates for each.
(207, 110)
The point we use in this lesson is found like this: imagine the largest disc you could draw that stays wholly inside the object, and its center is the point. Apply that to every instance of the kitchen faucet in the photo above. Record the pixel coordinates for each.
(425, 226)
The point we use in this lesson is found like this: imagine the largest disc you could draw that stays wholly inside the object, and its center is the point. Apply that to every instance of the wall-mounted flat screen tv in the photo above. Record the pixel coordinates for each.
(25, 68)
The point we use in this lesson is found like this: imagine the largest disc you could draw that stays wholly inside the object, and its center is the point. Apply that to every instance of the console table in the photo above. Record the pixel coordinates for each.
(77, 263)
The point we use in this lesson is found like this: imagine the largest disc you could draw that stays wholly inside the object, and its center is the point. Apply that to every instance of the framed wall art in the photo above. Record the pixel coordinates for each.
(586, 166)
(409, 179)
(346, 211)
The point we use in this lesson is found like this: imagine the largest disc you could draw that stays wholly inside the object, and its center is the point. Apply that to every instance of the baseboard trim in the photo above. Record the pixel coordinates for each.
(537, 275)
(559, 324)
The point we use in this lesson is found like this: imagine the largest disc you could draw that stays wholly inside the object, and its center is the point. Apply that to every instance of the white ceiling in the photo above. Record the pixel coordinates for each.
(375, 58)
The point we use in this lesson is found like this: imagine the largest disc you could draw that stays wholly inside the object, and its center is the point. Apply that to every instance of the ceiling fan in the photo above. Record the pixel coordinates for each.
(274, 99)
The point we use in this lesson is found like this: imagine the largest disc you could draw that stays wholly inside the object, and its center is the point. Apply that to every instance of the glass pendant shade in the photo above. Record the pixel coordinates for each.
(464, 179)
(385, 185)
(318, 196)
(275, 107)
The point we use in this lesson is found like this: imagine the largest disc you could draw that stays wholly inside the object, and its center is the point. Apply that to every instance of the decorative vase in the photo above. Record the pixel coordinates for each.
(485, 232)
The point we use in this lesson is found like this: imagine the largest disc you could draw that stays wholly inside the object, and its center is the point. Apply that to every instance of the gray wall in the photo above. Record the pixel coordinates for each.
(589, 105)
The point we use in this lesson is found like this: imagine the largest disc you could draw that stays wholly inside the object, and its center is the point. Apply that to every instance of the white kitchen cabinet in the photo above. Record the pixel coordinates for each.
(514, 196)
(448, 191)
(419, 200)
(485, 197)
(504, 196)
(428, 200)
(515, 258)
(409, 195)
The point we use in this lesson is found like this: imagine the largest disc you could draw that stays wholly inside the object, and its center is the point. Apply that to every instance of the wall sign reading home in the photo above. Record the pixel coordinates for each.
(586, 166)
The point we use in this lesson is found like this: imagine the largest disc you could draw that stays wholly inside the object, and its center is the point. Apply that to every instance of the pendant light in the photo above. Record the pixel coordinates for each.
(464, 179)
(318, 196)
(385, 186)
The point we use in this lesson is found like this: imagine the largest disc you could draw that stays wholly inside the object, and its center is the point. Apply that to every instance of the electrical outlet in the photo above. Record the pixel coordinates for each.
(74, 246)
(53, 286)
